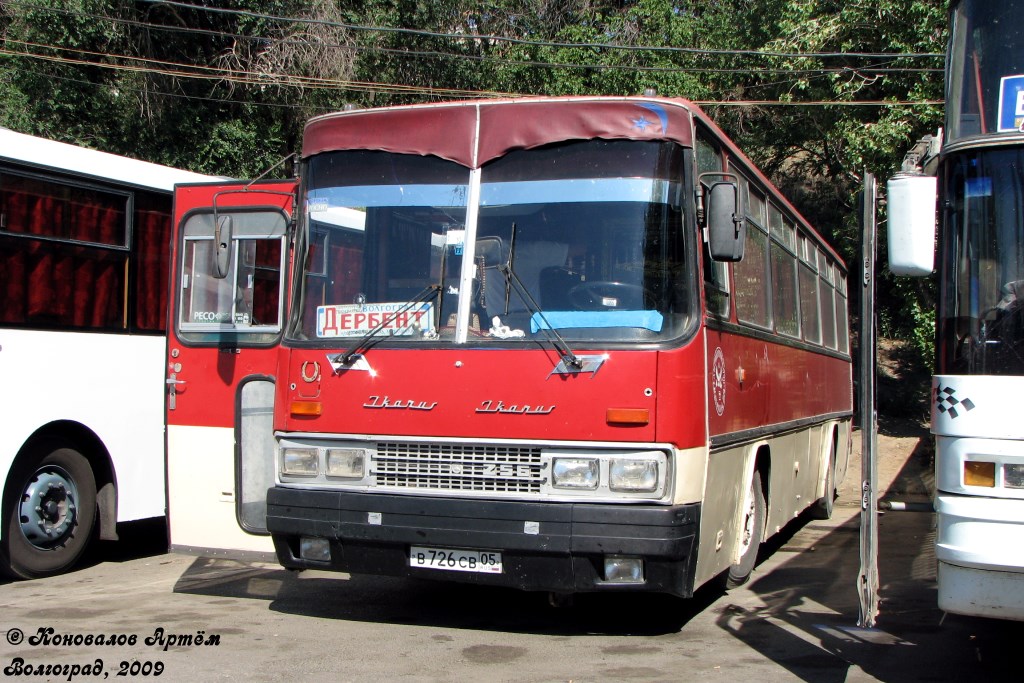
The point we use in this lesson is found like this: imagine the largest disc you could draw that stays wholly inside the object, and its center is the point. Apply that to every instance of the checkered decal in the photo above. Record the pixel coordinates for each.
(947, 402)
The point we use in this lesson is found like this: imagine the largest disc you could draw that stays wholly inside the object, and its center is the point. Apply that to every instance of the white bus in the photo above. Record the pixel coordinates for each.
(978, 427)
(84, 253)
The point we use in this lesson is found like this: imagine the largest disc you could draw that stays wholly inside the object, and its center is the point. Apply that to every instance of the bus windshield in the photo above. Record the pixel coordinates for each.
(981, 312)
(985, 70)
(583, 238)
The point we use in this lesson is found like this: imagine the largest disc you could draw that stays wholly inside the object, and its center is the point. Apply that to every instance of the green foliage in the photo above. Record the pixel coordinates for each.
(115, 76)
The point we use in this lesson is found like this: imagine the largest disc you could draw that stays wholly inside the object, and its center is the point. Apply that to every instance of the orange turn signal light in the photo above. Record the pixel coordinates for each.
(628, 416)
(307, 408)
(979, 474)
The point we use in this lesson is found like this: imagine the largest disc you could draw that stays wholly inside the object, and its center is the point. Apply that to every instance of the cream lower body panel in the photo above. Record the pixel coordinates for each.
(201, 496)
(798, 462)
(718, 542)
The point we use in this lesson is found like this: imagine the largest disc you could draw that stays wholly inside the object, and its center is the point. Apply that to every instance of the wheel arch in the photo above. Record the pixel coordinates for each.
(829, 457)
(763, 464)
(86, 442)
(759, 459)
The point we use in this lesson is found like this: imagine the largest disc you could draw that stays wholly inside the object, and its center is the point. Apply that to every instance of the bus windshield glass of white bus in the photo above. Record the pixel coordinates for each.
(598, 242)
(981, 330)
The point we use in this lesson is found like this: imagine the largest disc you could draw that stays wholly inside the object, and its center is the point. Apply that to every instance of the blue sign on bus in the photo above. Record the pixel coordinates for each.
(1011, 103)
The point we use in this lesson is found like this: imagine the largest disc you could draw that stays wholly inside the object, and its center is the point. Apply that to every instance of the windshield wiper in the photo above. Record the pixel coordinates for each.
(569, 359)
(367, 340)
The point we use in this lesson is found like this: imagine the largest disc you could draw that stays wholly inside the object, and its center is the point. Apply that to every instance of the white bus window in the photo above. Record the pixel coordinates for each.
(64, 254)
(42, 208)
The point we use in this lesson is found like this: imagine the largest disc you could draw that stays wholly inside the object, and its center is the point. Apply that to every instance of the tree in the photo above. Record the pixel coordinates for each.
(225, 87)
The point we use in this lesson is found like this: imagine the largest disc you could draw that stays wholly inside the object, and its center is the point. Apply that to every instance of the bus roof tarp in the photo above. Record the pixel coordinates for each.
(451, 130)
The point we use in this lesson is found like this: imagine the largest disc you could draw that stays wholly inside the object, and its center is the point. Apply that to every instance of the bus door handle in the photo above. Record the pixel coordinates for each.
(172, 394)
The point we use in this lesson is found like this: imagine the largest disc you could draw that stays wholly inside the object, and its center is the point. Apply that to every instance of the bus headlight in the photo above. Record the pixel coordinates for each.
(345, 463)
(633, 475)
(299, 462)
(575, 473)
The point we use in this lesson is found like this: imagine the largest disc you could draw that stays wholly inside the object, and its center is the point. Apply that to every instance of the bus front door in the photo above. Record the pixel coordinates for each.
(227, 314)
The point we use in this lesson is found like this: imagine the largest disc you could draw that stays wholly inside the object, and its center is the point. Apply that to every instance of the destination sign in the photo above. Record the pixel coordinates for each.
(356, 320)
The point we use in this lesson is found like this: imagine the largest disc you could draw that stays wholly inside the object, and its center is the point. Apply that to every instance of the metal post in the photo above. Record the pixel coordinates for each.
(867, 580)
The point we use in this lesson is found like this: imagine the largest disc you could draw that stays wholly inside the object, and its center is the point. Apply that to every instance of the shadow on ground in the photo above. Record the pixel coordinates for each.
(800, 611)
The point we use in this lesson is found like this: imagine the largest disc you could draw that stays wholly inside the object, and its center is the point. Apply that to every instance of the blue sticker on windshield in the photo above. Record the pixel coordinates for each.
(1011, 103)
(564, 320)
(978, 187)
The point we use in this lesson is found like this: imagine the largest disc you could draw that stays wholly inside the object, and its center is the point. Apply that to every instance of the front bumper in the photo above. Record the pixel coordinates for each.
(545, 546)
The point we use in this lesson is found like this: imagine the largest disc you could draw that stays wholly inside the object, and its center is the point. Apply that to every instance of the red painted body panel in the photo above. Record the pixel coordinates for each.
(681, 416)
(458, 384)
(207, 399)
(767, 383)
(469, 390)
(211, 375)
(780, 384)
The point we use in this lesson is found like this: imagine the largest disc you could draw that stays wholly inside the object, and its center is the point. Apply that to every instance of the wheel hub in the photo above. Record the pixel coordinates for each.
(48, 508)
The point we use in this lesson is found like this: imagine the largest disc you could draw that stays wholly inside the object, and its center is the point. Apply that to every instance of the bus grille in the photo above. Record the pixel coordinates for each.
(458, 467)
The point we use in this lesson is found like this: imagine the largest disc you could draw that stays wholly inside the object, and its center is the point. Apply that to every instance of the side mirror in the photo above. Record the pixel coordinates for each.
(490, 250)
(911, 223)
(222, 245)
(727, 229)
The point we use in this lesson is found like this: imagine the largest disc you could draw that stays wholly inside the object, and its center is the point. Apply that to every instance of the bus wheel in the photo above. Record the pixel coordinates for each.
(49, 511)
(824, 506)
(752, 532)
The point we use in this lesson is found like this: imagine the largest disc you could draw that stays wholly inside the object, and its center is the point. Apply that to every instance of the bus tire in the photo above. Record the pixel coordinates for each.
(752, 532)
(824, 506)
(49, 511)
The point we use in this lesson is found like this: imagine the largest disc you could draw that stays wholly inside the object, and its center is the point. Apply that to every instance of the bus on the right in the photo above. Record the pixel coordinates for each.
(974, 175)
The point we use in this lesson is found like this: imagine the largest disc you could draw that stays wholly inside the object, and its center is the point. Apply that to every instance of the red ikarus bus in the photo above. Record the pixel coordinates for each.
(559, 344)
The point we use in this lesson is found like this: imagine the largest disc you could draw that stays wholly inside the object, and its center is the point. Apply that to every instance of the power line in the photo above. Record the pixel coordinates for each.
(288, 80)
(240, 77)
(818, 103)
(283, 79)
(541, 43)
(699, 103)
(184, 96)
(867, 70)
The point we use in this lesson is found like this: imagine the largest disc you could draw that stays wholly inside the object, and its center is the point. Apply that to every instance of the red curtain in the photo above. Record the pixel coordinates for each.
(15, 210)
(51, 282)
(342, 282)
(152, 263)
(267, 284)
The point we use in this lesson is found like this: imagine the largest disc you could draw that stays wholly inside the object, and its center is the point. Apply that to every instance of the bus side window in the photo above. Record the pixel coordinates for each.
(752, 276)
(716, 287)
(716, 274)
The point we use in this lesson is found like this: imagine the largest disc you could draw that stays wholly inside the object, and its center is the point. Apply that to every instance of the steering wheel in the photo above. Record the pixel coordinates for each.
(599, 295)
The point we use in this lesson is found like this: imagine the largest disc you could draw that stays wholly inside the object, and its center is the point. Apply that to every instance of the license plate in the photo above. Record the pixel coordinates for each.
(483, 562)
